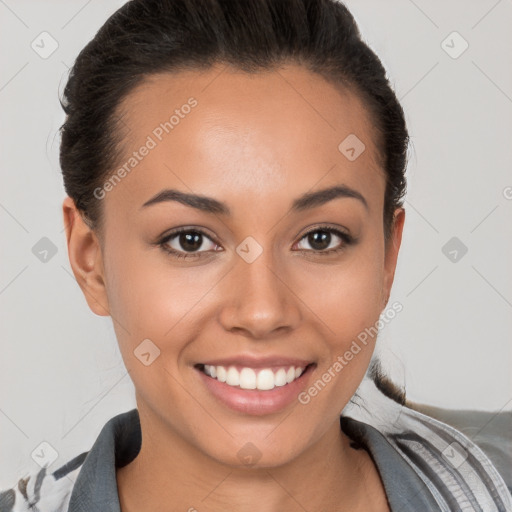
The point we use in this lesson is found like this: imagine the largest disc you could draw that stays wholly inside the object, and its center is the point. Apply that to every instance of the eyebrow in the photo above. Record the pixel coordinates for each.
(210, 205)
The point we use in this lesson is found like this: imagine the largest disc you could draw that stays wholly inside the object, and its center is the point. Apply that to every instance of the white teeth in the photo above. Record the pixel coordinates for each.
(265, 379)
(221, 372)
(280, 377)
(233, 377)
(247, 378)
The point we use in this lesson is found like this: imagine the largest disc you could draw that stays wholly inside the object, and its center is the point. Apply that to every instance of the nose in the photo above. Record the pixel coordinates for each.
(259, 299)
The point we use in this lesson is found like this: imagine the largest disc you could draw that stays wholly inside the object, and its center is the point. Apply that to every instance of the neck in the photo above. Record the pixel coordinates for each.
(168, 470)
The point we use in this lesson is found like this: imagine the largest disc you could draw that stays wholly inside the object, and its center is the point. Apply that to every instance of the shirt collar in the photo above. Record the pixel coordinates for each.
(119, 442)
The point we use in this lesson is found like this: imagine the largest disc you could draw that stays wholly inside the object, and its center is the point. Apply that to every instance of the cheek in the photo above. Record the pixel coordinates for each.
(151, 297)
(146, 297)
(347, 301)
(346, 297)
(152, 300)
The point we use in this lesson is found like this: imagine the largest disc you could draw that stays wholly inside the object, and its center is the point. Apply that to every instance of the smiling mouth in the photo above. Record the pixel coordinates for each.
(260, 379)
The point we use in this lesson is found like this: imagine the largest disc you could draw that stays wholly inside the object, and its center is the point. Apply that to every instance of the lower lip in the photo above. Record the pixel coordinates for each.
(253, 401)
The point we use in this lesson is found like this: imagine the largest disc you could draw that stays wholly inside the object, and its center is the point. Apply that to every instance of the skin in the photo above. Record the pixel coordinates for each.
(256, 143)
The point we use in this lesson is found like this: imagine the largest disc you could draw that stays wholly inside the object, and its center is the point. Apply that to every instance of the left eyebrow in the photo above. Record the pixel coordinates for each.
(314, 199)
(211, 205)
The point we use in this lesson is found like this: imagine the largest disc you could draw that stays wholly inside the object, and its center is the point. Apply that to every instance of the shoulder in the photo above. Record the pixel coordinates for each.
(489, 431)
(454, 468)
(50, 490)
(45, 490)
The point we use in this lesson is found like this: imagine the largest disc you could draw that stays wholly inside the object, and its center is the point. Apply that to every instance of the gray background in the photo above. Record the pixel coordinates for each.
(61, 373)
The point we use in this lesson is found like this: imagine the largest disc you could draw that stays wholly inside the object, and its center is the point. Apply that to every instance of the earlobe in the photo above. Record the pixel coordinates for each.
(85, 258)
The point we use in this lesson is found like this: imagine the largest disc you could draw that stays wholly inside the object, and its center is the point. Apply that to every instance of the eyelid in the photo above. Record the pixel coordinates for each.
(326, 227)
(342, 233)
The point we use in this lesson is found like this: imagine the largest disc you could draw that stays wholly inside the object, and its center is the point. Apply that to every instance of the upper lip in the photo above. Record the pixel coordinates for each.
(258, 362)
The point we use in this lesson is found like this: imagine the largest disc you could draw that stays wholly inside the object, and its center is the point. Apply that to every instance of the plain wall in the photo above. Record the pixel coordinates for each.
(61, 373)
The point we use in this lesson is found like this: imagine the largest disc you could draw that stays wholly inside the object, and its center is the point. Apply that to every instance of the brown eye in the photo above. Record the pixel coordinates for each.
(190, 241)
(184, 243)
(325, 240)
(319, 240)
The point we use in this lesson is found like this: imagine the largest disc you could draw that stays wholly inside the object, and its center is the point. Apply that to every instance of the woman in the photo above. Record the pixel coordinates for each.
(235, 175)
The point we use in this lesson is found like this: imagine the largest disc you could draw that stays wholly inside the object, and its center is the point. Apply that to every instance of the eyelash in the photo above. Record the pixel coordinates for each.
(345, 237)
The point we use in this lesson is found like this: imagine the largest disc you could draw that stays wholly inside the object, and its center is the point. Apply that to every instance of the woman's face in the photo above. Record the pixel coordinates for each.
(254, 290)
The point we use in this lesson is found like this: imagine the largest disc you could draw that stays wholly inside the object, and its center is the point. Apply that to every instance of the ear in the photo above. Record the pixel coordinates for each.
(85, 257)
(391, 255)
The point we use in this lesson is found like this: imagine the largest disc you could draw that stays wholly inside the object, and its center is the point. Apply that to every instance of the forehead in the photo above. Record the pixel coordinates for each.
(224, 129)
